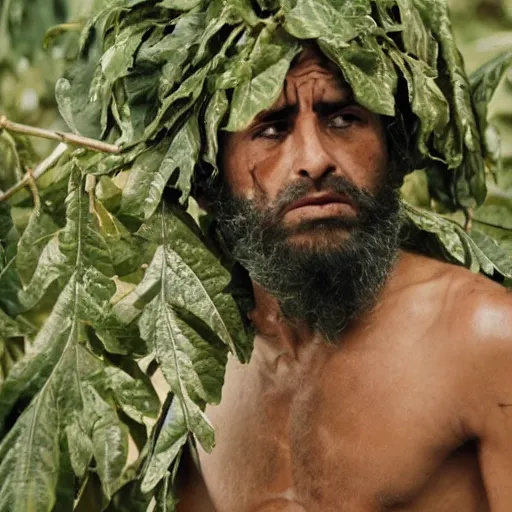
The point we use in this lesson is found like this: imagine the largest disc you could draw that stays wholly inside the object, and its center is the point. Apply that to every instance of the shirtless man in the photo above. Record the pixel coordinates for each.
(391, 390)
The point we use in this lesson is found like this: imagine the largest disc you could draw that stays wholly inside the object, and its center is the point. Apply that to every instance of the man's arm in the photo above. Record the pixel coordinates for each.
(489, 392)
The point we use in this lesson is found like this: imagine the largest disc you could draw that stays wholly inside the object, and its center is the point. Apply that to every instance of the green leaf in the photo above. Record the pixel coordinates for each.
(255, 95)
(58, 332)
(197, 281)
(484, 83)
(82, 112)
(188, 91)
(311, 19)
(115, 64)
(81, 241)
(179, 5)
(51, 266)
(29, 459)
(445, 230)
(80, 447)
(134, 393)
(215, 114)
(461, 145)
(140, 180)
(187, 285)
(180, 159)
(417, 39)
(109, 439)
(219, 14)
(10, 327)
(175, 348)
(500, 258)
(40, 229)
(368, 70)
(170, 441)
(57, 368)
(427, 100)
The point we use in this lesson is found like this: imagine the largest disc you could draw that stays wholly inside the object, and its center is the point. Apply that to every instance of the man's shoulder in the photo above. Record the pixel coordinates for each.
(450, 278)
(473, 333)
(474, 305)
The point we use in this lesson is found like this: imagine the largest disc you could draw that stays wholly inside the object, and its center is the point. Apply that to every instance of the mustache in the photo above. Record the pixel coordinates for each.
(362, 198)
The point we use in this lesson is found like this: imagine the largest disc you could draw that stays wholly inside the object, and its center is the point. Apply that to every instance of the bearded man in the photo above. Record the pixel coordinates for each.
(381, 379)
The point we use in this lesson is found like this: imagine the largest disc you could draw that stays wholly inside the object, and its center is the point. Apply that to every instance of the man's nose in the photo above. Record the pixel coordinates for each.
(312, 160)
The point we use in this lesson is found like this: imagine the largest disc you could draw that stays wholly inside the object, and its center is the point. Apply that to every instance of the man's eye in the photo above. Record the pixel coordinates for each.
(273, 131)
(343, 120)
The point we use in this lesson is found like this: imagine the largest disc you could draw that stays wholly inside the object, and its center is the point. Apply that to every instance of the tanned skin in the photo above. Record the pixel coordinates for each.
(411, 409)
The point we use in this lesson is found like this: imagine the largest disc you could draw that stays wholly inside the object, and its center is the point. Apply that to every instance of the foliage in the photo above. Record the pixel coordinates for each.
(110, 275)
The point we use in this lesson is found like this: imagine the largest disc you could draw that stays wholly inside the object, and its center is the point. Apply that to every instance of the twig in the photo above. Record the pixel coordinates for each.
(90, 187)
(69, 138)
(49, 161)
(40, 169)
(33, 188)
(468, 213)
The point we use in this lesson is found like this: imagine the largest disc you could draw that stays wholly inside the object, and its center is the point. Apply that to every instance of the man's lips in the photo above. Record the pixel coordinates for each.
(320, 200)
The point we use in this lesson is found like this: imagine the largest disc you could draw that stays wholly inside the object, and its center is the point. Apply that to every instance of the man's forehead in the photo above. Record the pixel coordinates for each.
(310, 66)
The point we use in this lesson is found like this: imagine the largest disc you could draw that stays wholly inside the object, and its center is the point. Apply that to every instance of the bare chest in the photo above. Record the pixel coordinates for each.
(334, 436)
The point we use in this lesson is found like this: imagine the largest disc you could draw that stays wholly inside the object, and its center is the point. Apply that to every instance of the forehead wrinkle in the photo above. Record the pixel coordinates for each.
(304, 73)
(314, 87)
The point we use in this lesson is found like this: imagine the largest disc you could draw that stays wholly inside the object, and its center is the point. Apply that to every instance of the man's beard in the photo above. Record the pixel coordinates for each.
(338, 274)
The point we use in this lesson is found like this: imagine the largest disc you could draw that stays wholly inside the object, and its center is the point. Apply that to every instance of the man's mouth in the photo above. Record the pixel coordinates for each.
(321, 204)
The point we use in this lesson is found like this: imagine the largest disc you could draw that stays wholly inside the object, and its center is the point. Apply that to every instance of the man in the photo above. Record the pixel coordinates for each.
(380, 379)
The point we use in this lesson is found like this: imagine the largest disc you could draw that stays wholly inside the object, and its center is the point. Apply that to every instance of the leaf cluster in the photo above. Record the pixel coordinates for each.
(163, 78)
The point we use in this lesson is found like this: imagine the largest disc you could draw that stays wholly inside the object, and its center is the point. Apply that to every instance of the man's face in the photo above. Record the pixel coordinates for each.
(306, 203)
(314, 133)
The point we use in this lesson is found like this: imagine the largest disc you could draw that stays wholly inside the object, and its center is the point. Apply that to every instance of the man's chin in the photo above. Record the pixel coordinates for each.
(320, 233)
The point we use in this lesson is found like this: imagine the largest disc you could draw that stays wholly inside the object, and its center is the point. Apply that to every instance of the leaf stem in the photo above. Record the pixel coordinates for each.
(70, 138)
(469, 214)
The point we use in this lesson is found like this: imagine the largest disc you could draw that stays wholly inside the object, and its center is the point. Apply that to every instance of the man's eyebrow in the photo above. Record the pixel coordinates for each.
(277, 114)
(327, 108)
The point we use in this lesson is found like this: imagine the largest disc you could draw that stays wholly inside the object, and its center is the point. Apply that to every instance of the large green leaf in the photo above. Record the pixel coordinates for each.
(369, 72)
(310, 19)
(199, 282)
(177, 166)
(259, 93)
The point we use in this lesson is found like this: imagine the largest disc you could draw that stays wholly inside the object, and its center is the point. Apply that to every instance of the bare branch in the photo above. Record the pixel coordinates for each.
(70, 138)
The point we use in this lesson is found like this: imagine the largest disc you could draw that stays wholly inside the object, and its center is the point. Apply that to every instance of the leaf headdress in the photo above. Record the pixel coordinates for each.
(162, 78)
